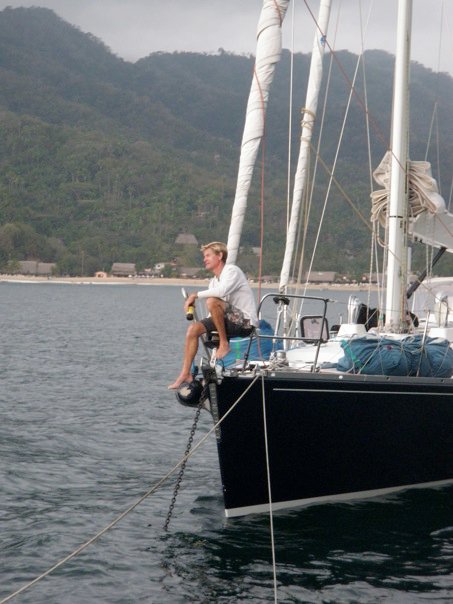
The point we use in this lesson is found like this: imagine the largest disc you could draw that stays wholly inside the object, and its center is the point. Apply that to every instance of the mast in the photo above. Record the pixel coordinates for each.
(308, 120)
(268, 53)
(395, 308)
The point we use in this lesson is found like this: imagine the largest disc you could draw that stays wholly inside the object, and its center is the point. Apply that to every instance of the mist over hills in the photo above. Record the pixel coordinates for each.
(105, 160)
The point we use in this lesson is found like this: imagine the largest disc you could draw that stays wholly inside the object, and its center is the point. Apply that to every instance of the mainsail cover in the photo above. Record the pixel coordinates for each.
(268, 53)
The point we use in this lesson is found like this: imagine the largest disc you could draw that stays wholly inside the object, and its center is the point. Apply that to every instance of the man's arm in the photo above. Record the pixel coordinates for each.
(227, 285)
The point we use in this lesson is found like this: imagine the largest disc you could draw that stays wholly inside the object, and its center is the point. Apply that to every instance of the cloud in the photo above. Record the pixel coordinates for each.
(132, 29)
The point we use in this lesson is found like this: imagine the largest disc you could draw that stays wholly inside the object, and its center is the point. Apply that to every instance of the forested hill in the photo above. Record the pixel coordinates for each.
(106, 161)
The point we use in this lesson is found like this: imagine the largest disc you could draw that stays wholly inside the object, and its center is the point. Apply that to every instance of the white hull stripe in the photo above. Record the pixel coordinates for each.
(369, 391)
(282, 505)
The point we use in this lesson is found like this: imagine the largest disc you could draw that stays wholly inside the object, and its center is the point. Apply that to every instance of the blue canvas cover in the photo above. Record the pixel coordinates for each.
(412, 356)
(259, 350)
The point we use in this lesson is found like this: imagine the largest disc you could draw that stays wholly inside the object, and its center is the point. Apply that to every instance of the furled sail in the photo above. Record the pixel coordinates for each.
(423, 192)
(308, 120)
(268, 52)
(431, 223)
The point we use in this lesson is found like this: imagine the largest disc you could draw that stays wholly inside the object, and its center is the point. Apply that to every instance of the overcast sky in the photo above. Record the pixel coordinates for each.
(133, 29)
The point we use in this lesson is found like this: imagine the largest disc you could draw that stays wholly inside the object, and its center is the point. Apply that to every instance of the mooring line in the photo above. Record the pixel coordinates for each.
(132, 507)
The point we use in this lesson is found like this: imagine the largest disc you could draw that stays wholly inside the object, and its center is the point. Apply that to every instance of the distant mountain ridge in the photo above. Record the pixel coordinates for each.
(104, 160)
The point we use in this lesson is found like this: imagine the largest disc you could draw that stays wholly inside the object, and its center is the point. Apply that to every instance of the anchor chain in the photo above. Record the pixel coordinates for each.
(186, 454)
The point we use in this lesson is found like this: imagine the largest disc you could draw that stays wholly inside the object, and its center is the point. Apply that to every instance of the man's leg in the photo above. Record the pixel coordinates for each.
(194, 331)
(216, 308)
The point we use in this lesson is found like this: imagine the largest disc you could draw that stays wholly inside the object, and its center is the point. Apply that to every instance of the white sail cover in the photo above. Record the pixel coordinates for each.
(268, 52)
(308, 120)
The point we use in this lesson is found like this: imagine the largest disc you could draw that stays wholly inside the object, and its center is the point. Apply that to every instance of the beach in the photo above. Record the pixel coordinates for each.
(166, 281)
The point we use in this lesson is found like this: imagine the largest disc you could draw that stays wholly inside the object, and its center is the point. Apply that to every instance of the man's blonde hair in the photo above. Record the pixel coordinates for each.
(217, 247)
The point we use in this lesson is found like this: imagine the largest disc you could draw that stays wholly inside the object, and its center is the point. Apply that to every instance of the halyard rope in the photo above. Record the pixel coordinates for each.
(132, 507)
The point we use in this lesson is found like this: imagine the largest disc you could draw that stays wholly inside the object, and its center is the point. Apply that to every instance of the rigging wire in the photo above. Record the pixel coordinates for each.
(310, 195)
(132, 507)
(312, 95)
(307, 206)
(433, 140)
(373, 247)
(262, 190)
(290, 118)
(433, 126)
(299, 251)
(375, 126)
(329, 186)
(269, 488)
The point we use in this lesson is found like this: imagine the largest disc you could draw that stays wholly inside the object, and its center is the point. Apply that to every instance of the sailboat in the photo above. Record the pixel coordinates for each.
(364, 408)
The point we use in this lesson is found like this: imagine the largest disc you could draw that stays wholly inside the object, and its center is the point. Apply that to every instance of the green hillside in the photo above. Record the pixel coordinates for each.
(106, 161)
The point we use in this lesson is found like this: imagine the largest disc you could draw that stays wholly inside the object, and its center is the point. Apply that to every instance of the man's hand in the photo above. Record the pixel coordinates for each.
(190, 301)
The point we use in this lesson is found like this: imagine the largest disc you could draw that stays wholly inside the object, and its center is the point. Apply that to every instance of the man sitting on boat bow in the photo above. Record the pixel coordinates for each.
(231, 305)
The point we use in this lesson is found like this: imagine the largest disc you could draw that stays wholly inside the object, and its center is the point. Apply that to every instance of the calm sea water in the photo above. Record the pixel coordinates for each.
(88, 426)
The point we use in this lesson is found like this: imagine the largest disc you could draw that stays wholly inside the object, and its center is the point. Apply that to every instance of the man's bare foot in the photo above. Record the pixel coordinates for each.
(180, 380)
(222, 350)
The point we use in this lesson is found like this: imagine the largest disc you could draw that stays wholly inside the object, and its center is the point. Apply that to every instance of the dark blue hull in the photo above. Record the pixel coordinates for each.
(330, 437)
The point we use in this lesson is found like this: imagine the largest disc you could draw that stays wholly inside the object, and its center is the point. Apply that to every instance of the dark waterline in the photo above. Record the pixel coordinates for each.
(87, 426)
